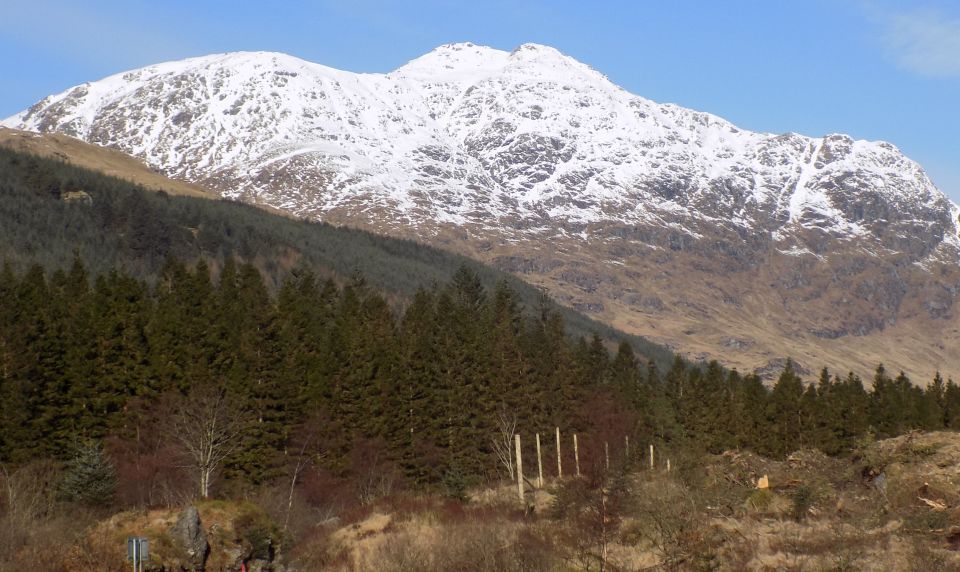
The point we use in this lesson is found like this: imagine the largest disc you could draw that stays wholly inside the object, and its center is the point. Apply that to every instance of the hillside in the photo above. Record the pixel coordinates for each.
(51, 209)
(659, 220)
(103, 160)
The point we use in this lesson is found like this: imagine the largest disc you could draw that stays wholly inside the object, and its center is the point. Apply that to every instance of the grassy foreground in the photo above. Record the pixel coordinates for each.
(891, 505)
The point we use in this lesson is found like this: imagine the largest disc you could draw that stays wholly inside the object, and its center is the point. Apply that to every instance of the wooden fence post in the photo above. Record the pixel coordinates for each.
(606, 453)
(626, 450)
(576, 454)
(539, 465)
(559, 465)
(651, 457)
(516, 439)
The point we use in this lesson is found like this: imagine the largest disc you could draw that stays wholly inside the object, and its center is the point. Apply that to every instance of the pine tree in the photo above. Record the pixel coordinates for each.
(825, 415)
(786, 413)
(556, 366)
(658, 418)
(752, 422)
(8, 345)
(854, 409)
(951, 405)
(703, 409)
(255, 379)
(933, 406)
(90, 477)
(416, 432)
(887, 406)
(510, 388)
(624, 374)
(675, 380)
(464, 375)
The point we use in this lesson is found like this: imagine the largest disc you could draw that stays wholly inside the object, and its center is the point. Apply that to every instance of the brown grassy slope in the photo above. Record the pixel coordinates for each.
(743, 317)
(108, 161)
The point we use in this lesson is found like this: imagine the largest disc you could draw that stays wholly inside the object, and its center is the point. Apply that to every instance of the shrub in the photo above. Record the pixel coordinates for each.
(802, 500)
(255, 530)
(761, 500)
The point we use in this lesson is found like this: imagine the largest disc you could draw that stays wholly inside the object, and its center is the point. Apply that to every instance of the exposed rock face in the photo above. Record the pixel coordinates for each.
(664, 221)
(190, 539)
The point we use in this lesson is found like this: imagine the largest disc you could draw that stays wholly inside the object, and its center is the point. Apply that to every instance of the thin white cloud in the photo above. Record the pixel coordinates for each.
(926, 43)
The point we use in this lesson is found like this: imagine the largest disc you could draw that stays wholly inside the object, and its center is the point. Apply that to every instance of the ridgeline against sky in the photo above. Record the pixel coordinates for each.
(873, 69)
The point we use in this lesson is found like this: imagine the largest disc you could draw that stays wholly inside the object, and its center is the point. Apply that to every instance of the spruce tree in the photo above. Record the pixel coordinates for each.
(887, 406)
(933, 405)
(89, 477)
(753, 427)
(951, 405)
(786, 413)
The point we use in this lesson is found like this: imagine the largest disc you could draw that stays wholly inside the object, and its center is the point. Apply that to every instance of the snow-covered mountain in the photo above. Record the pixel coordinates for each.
(506, 154)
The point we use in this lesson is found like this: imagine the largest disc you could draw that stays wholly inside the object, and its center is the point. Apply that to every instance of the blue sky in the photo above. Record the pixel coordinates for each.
(876, 69)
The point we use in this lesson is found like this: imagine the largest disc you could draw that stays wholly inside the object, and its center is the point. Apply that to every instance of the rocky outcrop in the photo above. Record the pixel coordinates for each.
(222, 536)
(190, 541)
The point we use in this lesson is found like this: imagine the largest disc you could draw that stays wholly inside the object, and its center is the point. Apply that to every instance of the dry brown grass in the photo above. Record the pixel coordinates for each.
(639, 521)
(36, 532)
(102, 159)
(701, 305)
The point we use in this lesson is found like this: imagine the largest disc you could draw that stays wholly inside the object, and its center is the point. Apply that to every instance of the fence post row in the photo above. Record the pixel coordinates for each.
(576, 458)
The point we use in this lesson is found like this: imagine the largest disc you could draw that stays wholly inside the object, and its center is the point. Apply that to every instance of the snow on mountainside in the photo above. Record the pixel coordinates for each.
(663, 221)
(473, 134)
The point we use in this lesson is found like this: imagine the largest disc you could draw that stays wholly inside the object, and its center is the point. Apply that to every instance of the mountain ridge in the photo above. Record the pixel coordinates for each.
(651, 216)
(446, 77)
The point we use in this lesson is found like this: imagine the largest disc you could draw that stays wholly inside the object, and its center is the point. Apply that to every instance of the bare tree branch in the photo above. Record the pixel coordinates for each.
(503, 441)
(208, 424)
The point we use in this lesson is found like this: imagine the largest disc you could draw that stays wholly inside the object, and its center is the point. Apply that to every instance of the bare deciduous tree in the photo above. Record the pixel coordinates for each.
(503, 441)
(208, 423)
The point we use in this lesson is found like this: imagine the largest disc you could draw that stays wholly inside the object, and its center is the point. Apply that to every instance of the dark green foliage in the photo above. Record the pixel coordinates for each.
(786, 412)
(896, 405)
(131, 228)
(801, 501)
(421, 389)
(89, 478)
(255, 531)
(951, 399)
(424, 387)
(410, 383)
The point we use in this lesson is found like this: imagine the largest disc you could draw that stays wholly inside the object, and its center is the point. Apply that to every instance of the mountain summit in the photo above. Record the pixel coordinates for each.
(664, 221)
